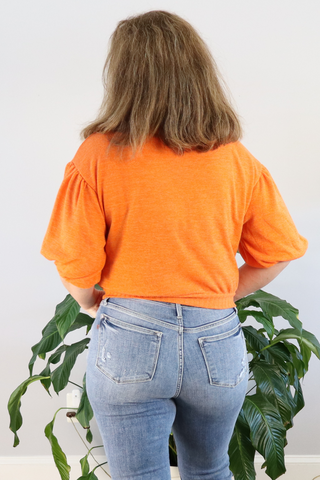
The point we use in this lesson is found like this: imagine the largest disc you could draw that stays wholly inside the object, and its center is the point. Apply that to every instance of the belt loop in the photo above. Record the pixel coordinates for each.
(105, 301)
(179, 310)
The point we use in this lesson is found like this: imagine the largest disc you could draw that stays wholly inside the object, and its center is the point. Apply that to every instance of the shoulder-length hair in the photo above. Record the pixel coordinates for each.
(160, 80)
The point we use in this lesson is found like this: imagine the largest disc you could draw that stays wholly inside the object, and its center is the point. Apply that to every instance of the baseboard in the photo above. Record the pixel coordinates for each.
(293, 459)
(38, 468)
(298, 467)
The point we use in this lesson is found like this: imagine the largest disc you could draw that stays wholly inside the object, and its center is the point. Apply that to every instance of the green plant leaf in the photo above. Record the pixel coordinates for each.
(46, 382)
(296, 358)
(306, 355)
(256, 342)
(14, 405)
(59, 456)
(55, 357)
(259, 317)
(90, 476)
(85, 467)
(65, 315)
(50, 340)
(65, 320)
(241, 451)
(84, 412)
(246, 302)
(303, 337)
(298, 396)
(89, 436)
(292, 373)
(273, 306)
(172, 451)
(60, 376)
(82, 320)
(271, 384)
(267, 432)
(280, 355)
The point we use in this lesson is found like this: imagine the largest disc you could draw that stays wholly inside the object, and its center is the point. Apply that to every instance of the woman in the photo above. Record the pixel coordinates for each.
(154, 207)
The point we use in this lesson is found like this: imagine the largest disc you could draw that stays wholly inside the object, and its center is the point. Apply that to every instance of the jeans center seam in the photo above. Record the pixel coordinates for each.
(180, 356)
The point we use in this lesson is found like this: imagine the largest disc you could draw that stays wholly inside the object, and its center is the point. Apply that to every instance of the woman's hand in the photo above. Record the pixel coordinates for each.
(252, 279)
(88, 298)
(93, 310)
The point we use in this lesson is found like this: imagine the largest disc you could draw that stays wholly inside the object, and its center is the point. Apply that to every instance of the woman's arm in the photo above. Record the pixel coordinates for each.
(252, 279)
(88, 298)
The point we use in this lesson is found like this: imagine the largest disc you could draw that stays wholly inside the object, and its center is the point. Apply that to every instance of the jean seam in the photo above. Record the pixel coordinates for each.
(219, 336)
(130, 326)
(127, 382)
(242, 375)
(180, 356)
(143, 316)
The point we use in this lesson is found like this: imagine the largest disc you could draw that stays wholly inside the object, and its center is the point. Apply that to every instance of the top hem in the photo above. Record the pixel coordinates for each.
(218, 302)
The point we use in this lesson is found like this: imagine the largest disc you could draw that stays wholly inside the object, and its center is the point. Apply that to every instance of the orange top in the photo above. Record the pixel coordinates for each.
(167, 227)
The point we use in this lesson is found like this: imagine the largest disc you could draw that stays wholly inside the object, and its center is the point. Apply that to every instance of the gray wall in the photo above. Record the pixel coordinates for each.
(52, 54)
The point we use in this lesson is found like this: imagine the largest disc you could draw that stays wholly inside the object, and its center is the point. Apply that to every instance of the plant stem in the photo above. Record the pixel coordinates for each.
(95, 468)
(254, 386)
(75, 384)
(61, 408)
(89, 450)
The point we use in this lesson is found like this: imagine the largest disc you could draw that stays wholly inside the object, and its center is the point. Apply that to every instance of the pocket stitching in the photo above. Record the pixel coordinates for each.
(140, 330)
(129, 326)
(142, 316)
(244, 370)
(219, 336)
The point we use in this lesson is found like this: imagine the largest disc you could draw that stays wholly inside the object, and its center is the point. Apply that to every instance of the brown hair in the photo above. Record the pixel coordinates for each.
(161, 80)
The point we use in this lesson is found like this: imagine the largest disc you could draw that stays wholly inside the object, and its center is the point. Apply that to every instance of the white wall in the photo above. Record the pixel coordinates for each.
(52, 54)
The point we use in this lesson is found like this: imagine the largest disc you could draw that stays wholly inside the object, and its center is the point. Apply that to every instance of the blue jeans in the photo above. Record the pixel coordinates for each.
(156, 367)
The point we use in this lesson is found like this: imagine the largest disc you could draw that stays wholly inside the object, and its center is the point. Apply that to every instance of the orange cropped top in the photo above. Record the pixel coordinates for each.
(166, 227)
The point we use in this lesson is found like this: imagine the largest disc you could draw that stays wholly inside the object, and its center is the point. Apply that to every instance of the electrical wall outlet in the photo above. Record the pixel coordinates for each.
(73, 402)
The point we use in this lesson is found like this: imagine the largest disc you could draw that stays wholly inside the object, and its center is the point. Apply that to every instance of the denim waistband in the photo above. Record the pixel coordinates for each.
(170, 306)
(171, 311)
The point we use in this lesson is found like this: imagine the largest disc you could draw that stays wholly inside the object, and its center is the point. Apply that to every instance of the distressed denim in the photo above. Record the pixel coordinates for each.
(156, 367)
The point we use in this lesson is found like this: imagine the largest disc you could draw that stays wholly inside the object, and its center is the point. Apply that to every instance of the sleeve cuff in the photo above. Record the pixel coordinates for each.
(82, 282)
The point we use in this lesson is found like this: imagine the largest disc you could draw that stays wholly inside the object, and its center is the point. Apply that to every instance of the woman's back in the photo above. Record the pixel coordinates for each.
(167, 227)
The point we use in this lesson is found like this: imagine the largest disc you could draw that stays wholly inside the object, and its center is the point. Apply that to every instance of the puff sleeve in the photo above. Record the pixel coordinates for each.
(269, 235)
(75, 238)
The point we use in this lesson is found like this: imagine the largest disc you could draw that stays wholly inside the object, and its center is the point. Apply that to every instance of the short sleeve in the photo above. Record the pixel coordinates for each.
(75, 238)
(269, 235)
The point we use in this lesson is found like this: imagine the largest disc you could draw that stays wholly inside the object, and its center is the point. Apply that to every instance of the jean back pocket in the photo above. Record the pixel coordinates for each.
(225, 356)
(127, 353)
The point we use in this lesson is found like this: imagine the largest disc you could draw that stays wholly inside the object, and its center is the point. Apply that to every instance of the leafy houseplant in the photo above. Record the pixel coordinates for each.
(280, 358)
